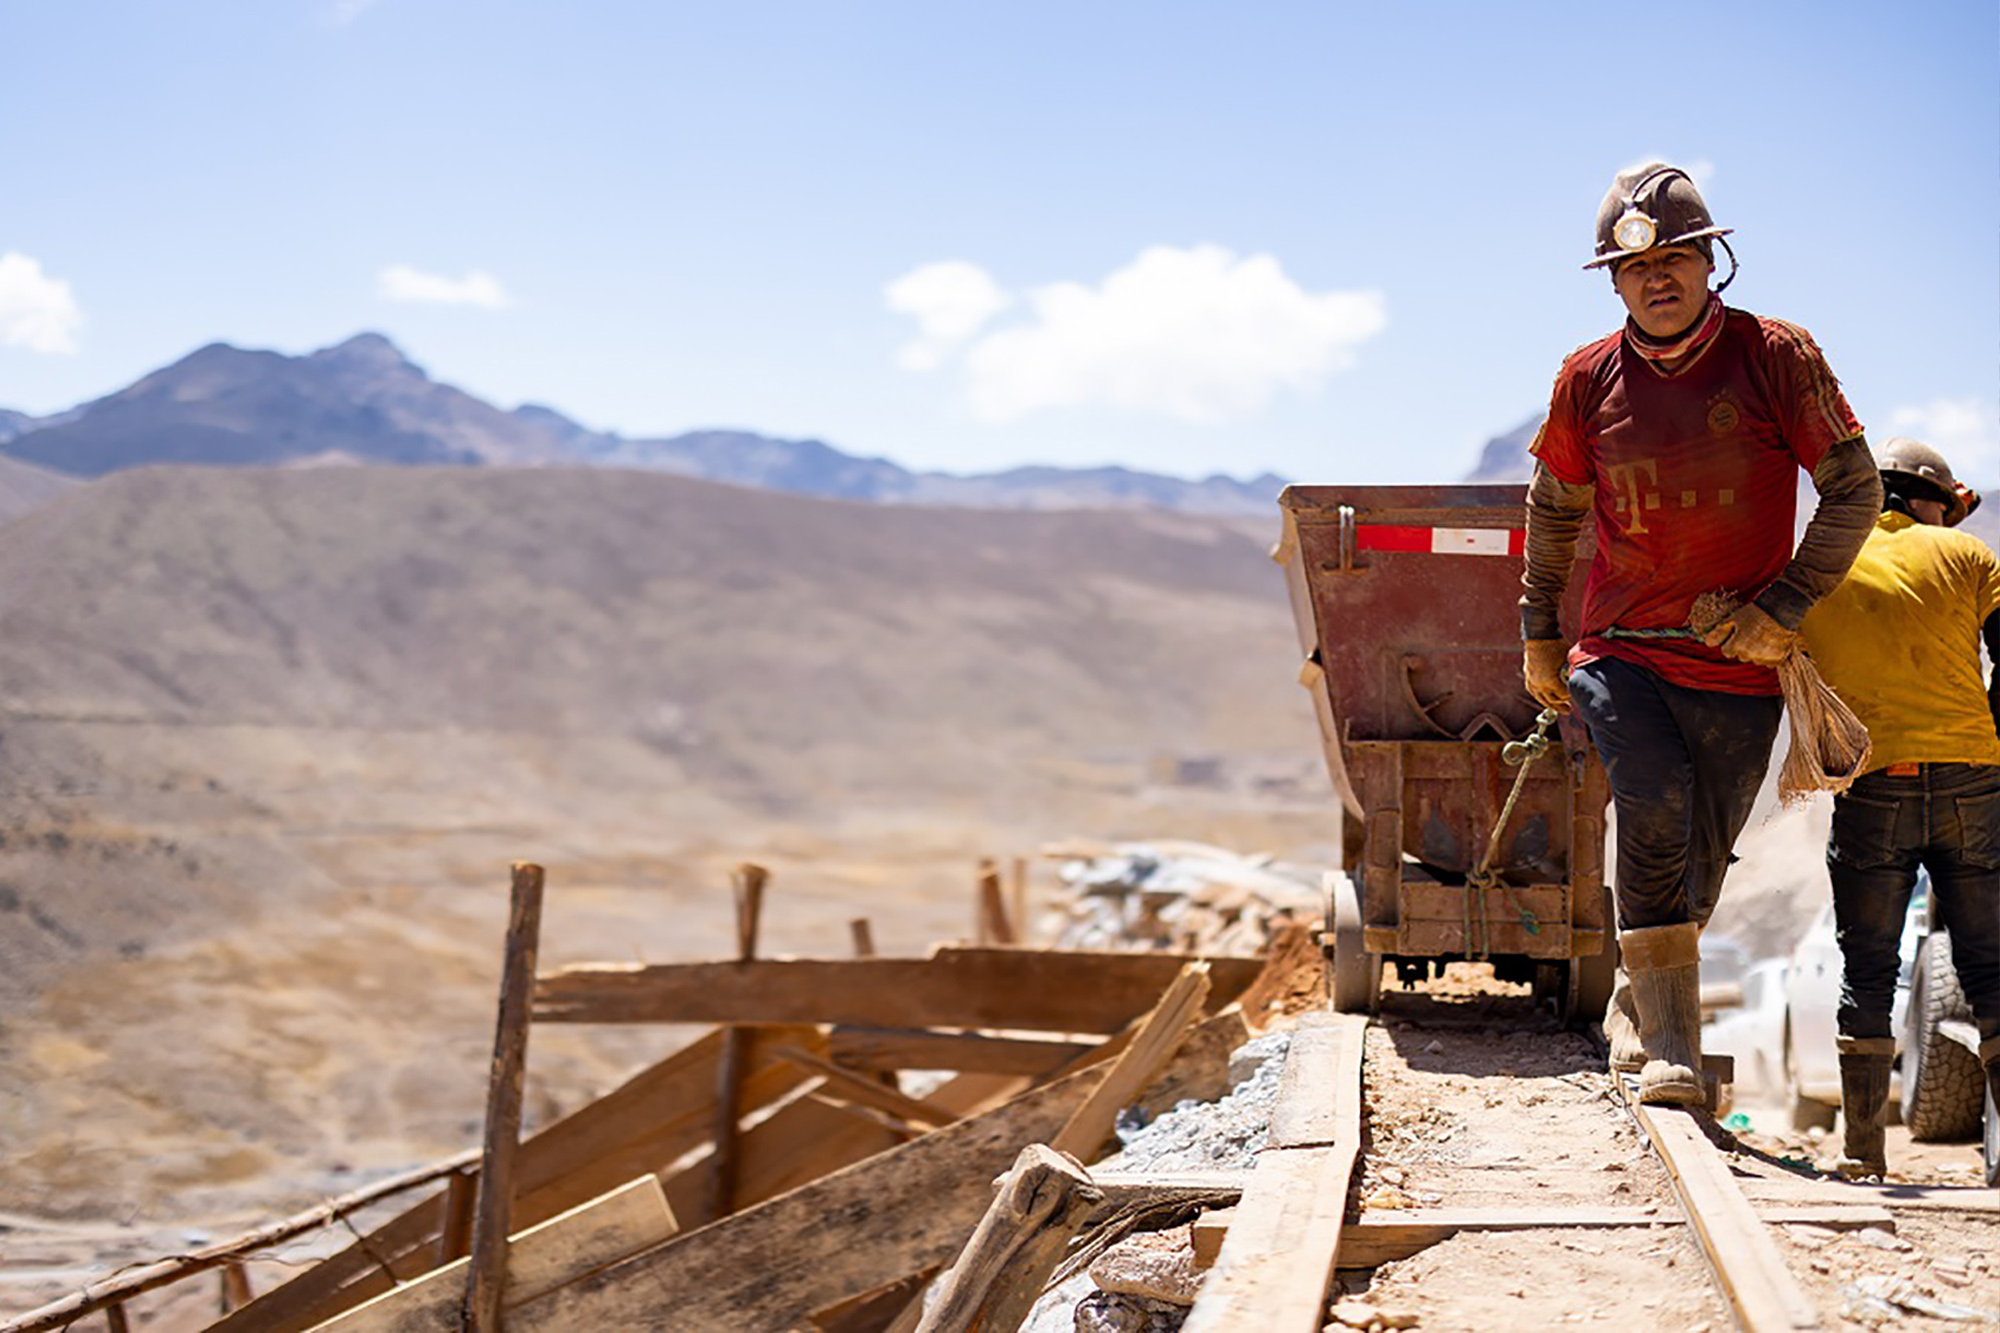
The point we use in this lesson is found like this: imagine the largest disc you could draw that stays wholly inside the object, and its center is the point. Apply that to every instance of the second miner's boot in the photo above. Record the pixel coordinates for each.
(1665, 966)
(1864, 1095)
(1621, 1027)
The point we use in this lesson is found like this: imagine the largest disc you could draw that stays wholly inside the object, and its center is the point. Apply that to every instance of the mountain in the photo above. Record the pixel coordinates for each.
(274, 734)
(360, 400)
(1506, 457)
(364, 401)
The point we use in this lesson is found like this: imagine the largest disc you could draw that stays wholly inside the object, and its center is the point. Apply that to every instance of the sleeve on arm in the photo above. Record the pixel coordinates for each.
(1850, 497)
(1556, 512)
(1812, 411)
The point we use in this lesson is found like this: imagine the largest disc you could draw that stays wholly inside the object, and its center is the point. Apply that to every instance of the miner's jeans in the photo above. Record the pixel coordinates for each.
(1685, 766)
(1945, 818)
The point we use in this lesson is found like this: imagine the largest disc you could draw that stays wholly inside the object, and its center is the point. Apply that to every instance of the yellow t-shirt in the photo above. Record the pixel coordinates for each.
(1898, 641)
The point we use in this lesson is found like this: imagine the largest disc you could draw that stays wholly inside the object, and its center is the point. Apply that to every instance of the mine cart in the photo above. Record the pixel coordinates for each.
(1472, 823)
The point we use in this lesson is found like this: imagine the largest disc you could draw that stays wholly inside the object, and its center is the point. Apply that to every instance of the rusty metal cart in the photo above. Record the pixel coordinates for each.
(1406, 600)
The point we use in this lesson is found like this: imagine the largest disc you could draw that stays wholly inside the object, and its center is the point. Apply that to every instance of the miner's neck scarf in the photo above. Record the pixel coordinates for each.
(1672, 355)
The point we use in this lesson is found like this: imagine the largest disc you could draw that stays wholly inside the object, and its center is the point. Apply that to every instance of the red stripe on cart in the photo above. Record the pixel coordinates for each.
(1440, 541)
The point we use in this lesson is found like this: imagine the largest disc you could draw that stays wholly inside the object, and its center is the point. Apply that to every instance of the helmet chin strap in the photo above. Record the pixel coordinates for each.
(1723, 241)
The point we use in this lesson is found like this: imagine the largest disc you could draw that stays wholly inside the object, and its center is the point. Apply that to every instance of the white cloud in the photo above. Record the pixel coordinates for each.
(1199, 334)
(1965, 430)
(400, 282)
(37, 312)
(951, 300)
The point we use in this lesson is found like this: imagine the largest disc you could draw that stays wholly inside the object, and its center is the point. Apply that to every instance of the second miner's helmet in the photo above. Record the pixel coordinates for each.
(1655, 205)
(1911, 468)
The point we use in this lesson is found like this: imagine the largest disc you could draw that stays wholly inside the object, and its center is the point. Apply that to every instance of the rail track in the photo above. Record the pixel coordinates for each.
(1505, 1180)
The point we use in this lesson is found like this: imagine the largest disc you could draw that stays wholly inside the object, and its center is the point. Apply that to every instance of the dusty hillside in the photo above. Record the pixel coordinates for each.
(273, 736)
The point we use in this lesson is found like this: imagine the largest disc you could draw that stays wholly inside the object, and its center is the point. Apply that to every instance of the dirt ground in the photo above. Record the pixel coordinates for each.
(1478, 1098)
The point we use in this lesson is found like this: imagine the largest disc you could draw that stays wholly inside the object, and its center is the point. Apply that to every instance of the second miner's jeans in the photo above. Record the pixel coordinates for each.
(1945, 818)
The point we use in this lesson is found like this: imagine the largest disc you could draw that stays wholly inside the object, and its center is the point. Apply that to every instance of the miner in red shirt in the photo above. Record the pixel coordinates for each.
(1683, 435)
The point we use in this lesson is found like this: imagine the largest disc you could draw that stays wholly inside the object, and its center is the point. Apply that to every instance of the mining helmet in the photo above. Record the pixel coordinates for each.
(1655, 205)
(1908, 465)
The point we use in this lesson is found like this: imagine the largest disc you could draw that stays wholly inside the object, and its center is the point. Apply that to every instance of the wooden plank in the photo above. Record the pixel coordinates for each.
(850, 1086)
(921, 1048)
(493, 1211)
(1037, 1209)
(1930, 1198)
(540, 1259)
(1158, 1038)
(1317, 1105)
(1032, 989)
(1379, 1236)
(772, 1265)
(644, 1125)
(1273, 1271)
(1748, 1266)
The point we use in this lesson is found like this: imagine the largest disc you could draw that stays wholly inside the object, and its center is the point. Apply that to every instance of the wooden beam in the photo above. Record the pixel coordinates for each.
(991, 911)
(1031, 989)
(559, 1251)
(1748, 1266)
(236, 1291)
(1379, 1236)
(1037, 1209)
(853, 1087)
(1276, 1266)
(772, 1265)
(1159, 1036)
(653, 1119)
(922, 1048)
(492, 1213)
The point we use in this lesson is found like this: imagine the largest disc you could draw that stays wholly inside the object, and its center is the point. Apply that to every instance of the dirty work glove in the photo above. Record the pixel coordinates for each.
(1542, 662)
(1748, 635)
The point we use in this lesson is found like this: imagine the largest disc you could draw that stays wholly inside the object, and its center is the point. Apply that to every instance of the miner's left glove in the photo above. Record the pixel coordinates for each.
(1749, 635)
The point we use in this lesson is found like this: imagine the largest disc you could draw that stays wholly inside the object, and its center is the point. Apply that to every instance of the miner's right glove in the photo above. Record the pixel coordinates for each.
(1542, 662)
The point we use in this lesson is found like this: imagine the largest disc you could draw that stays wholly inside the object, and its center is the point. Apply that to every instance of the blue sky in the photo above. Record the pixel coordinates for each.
(1338, 241)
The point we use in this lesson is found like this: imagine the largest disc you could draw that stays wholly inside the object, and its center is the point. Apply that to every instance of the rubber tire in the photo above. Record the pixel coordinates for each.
(1354, 976)
(1992, 1147)
(1944, 1089)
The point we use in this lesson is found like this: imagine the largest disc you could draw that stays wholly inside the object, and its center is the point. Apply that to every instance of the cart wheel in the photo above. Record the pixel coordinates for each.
(1591, 979)
(1355, 975)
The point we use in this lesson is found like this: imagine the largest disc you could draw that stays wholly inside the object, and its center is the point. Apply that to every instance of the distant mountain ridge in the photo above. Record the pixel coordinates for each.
(363, 401)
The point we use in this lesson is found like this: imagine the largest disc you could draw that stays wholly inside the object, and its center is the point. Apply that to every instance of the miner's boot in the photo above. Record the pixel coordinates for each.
(1621, 1027)
(1864, 1096)
(1665, 966)
(1989, 1054)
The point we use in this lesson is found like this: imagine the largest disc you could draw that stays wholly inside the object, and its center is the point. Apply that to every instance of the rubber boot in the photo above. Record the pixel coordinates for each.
(1864, 1096)
(1665, 966)
(1621, 1027)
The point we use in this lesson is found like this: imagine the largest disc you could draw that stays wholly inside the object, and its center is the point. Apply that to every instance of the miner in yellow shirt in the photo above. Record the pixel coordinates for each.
(1898, 641)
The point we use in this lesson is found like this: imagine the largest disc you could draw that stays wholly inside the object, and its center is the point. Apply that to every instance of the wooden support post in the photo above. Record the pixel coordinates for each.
(461, 1190)
(1039, 1207)
(1024, 927)
(114, 1319)
(749, 890)
(488, 1269)
(864, 937)
(236, 1291)
(994, 927)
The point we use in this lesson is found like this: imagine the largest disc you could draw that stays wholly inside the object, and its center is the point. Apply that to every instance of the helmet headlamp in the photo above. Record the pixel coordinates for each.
(1635, 231)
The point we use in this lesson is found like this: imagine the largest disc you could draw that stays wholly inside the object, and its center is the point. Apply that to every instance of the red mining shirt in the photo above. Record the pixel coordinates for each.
(1697, 482)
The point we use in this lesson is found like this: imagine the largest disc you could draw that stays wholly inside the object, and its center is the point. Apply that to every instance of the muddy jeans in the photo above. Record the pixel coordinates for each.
(1946, 818)
(1685, 766)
